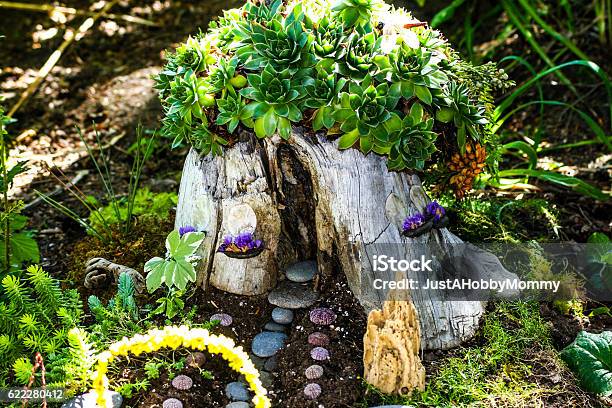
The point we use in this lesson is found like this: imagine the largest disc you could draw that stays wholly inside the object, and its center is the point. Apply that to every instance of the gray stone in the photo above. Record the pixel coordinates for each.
(267, 380)
(291, 295)
(302, 271)
(237, 404)
(113, 400)
(237, 391)
(271, 364)
(275, 327)
(258, 362)
(282, 316)
(267, 344)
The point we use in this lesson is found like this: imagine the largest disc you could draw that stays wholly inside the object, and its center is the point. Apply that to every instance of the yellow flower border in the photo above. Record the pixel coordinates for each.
(175, 337)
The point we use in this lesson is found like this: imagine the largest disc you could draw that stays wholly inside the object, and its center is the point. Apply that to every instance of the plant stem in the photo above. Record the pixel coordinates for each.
(7, 221)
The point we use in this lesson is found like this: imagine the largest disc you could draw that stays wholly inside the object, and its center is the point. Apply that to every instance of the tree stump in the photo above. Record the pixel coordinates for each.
(313, 200)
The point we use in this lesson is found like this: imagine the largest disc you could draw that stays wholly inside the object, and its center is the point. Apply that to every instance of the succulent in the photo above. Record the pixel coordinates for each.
(223, 318)
(413, 142)
(193, 55)
(319, 354)
(172, 403)
(329, 40)
(413, 72)
(363, 111)
(312, 391)
(188, 97)
(361, 55)
(233, 110)
(456, 107)
(284, 44)
(318, 339)
(356, 12)
(275, 95)
(223, 77)
(207, 142)
(321, 93)
(413, 222)
(314, 372)
(182, 382)
(241, 243)
(322, 316)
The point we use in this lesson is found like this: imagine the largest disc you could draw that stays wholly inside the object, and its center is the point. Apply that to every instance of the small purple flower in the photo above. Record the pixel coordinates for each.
(436, 210)
(241, 243)
(187, 228)
(413, 222)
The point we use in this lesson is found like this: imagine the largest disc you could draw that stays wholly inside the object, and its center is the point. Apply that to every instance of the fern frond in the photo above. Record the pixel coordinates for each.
(15, 291)
(33, 342)
(126, 288)
(8, 318)
(22, 369)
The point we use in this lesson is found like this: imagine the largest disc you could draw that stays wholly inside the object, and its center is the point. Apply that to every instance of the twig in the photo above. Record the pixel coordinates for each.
(38, 363)
(79, 176)
(49, 8)
(71, 36)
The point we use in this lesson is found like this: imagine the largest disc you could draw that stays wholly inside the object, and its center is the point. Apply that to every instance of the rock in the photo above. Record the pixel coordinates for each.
(258, 362)
(182, 382)
(172, 403)
(302, 271)
(223, 318)
(88, 400)
(237, 404)
(318, 339)
(312, 391)
(271, 364)
(322, 316)
(237, 391)
(241, 218)
(282, 316)
(275, 327)
(266, 379)
(391, 351)
(319, 354)
(197, 359)
(291, 295)
(267, 344)
(314, 372)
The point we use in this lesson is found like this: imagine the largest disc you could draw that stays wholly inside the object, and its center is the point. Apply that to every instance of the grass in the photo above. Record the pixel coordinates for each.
(493, 371)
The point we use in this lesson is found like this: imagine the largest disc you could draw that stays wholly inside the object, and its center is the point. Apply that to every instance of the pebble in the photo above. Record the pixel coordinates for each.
(224, 319)
(172, 403)
(258, 362)
(275, 327)
(322, 316)
(237, 404)
(312, 391)
(302, 271)
(88, 400)
(266, 380)
(318, 339)
(182, 382)
(319, 354)
(196, 359)
(267, 344)
(291, 295)
(282, 316)
(271, 364)
(237, 391)
(314, 372)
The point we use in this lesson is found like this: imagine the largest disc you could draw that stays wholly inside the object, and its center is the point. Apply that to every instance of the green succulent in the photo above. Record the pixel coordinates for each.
(232, 111)
(206, 142)
(260, 11)
(276, 96)
(188, 97)
(321, 92)
(363, 112)
(223, 77)
(329, 39)
(193, 55)
(456, 107)
(413, 141)
(355, 12)
(282, 43)
(363, 51)
(413, 72)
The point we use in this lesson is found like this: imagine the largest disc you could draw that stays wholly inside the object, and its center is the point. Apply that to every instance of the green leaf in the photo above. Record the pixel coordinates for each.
(155, 268)
(260, 131)
(423, 93)
(348, 139)
(590, 357)
(269, 122)
(525, 148)
(23, 248)
(445, 115)
(416, 113)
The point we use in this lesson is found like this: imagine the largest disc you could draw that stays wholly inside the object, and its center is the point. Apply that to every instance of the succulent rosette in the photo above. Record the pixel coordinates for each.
(321, 93)
(329, 40)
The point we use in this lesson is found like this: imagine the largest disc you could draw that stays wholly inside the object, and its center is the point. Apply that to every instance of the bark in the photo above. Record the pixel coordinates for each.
(312, 200)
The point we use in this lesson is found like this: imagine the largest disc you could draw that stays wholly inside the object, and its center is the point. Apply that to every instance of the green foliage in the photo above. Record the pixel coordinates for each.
(121, 317)
(171, 304)
(36, 316)
(350, 68)
(150, 207)
(177, 269)
(590, 357)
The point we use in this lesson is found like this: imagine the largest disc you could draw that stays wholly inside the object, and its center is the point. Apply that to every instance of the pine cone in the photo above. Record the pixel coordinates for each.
(467, 167)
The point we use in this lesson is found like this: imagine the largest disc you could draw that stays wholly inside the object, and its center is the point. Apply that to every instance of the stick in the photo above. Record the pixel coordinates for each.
(71, 36)
(48, 8)
(79, 176)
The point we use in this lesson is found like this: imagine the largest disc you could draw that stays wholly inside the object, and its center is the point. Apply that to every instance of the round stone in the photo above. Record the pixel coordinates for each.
(319, 354)
(172, 403)
(237, 391)
(275, 327)
(266, 379)
(313, 372)
(291, 295)
(238, 404)
(267, 344)
(223, 318)
(197, 359)
(282, 316)
(312, 391)
(318, 339)
(322, 316)
(182, 382)
(271, 364)
(302, 271)
(113, 399)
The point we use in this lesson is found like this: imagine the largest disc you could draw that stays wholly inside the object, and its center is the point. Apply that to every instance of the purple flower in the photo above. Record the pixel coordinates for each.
(241, 243)
(413, 222)
(184, 230)
(436, 210)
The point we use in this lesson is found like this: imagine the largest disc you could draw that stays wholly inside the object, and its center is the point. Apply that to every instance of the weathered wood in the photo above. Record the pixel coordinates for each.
(358, 207)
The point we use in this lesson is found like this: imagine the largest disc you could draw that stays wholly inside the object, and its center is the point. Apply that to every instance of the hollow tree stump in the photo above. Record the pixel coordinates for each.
(313, 200)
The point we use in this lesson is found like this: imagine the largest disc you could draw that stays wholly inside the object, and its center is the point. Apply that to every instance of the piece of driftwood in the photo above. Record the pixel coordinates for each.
(102, 273)
(313, 200)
